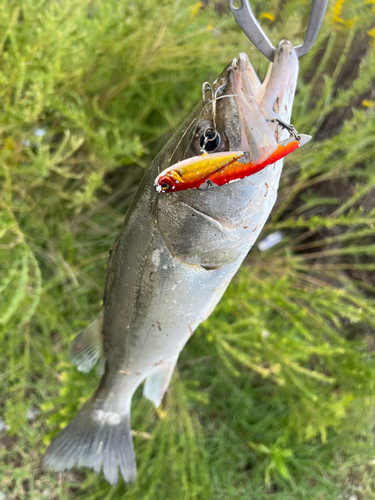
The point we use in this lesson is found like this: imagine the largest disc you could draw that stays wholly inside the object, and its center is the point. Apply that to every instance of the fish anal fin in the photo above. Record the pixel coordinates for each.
(158, 381)
(87, 347)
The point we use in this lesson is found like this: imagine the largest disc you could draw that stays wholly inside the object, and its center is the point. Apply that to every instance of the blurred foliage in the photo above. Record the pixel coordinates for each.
(274, 393)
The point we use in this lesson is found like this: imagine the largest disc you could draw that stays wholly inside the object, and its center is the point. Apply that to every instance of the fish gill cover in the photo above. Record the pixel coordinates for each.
(273, 394)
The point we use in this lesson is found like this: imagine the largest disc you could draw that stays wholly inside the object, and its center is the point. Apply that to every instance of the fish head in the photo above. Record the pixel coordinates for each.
(238, 112)
(237, 115)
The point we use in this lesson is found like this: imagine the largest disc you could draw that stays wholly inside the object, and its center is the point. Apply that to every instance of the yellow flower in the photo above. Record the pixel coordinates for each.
(367, 104)
(337, 11)
(372, 32)
(196, 8)
(267, 15)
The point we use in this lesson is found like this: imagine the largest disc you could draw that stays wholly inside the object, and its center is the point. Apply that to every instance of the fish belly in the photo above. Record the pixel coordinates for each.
(164, 278)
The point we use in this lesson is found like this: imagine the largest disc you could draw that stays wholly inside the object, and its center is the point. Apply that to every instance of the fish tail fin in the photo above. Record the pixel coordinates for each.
(95, 438)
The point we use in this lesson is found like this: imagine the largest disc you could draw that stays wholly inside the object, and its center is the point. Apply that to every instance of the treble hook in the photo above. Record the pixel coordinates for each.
(245, 18)
(207, 86)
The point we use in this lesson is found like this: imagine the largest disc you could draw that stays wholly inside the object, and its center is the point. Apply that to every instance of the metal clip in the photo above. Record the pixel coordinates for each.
(245, 18)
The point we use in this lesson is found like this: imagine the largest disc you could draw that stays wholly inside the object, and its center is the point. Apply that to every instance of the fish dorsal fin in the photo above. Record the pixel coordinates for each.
(87, 347)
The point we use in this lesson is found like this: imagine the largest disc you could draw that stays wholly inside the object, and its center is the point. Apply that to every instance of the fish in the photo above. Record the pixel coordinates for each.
(174, 258)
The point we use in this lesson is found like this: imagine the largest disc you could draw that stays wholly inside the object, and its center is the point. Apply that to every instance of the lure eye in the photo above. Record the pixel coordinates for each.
(165, 184)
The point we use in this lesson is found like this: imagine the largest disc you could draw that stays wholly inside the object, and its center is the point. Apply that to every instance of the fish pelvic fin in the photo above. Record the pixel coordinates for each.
(87, 347)
(158, 382)
(96, 439)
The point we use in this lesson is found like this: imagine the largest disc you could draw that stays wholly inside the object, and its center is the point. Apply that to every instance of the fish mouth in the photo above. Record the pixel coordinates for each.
(259, 104)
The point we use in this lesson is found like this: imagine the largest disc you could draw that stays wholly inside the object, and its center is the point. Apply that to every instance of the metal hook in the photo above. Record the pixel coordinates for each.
(290, 128)
(245, 18)
(207, 86)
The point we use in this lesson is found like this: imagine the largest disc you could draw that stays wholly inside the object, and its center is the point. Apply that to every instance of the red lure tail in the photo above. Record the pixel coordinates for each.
(236, 170)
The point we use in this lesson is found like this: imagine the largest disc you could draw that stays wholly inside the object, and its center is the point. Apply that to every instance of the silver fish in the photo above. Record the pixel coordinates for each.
(174, 258)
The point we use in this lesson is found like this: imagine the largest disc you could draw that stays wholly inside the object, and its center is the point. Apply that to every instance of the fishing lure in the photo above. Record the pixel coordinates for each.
(202, 172)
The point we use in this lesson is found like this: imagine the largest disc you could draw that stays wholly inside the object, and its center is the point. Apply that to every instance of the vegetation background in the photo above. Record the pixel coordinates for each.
(274, 394)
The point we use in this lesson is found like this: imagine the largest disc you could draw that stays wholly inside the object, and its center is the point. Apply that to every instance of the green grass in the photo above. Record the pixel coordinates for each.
(273, 397)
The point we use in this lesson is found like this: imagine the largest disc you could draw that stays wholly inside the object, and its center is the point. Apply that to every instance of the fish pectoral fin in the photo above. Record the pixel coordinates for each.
(212, 259)
(158, 381)
(87, 347)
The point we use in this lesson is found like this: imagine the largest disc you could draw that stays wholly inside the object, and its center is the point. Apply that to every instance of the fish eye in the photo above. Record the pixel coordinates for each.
(165, 186)
(207, 139)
